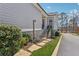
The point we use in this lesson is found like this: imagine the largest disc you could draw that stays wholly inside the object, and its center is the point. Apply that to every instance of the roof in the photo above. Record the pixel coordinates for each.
(41, 8)
(53, 14)
(43, 12)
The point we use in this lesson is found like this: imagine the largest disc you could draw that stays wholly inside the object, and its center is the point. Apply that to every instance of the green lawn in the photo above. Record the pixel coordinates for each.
(47, 49)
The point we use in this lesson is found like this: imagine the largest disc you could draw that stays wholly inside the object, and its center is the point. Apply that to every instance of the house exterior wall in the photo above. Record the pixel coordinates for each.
(54, 22)
(22, 15)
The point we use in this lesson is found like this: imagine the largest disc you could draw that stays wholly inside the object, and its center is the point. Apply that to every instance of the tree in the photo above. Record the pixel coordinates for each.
(63, 19)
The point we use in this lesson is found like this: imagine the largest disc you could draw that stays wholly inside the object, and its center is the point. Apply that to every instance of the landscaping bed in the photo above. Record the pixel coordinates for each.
(47, 49)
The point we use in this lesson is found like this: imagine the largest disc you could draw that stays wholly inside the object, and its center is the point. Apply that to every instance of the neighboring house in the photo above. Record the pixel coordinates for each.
(77, 24)
(70, 26)
(54, 18)
(22, 15)
(73, 27)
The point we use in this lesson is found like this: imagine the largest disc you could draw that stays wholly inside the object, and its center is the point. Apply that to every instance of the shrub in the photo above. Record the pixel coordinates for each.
(57, 33)
(10, 36)
(27, 36)
(22, 41)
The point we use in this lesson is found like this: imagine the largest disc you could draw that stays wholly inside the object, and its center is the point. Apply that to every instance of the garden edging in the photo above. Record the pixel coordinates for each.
(57, 47)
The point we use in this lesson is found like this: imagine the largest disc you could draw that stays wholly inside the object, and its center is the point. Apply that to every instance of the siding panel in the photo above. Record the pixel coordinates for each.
(21, 14)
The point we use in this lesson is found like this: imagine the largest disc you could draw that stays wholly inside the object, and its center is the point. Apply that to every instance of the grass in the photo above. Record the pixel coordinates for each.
(76, 33)
(47, 49)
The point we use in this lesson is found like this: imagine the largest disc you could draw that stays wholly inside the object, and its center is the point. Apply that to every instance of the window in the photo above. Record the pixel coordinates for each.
(43, 23)
(50, 22)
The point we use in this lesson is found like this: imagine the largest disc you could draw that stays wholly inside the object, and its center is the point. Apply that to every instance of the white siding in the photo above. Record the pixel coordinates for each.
(21, 14)
(54, 22)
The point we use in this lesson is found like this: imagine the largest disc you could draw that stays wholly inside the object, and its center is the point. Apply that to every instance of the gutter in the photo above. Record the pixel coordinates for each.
(42, 8)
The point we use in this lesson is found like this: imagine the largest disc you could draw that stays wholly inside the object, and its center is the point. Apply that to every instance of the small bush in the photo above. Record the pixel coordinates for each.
(27, 36)
(22, 41)
(10, 36)
(57, 33)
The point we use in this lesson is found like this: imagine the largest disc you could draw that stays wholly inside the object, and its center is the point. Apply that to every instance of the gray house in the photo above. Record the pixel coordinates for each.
(22, 15)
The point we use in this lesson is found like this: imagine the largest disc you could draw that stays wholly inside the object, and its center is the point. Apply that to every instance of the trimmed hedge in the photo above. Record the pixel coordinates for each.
(10, 36)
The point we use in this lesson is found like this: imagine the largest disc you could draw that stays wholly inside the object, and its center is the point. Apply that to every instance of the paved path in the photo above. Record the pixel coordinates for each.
(28, 51)
(69, 45)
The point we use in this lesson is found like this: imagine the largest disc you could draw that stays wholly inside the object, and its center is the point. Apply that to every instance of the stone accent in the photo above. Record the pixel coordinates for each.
(33, 47)
(22, 53)
(28, 51)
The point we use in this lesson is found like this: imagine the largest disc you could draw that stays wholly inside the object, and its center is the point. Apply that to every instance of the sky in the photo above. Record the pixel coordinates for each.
(59, 7)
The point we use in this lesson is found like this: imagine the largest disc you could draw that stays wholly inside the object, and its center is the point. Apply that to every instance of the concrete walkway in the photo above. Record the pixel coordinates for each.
(28, 51)
(69, 45)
